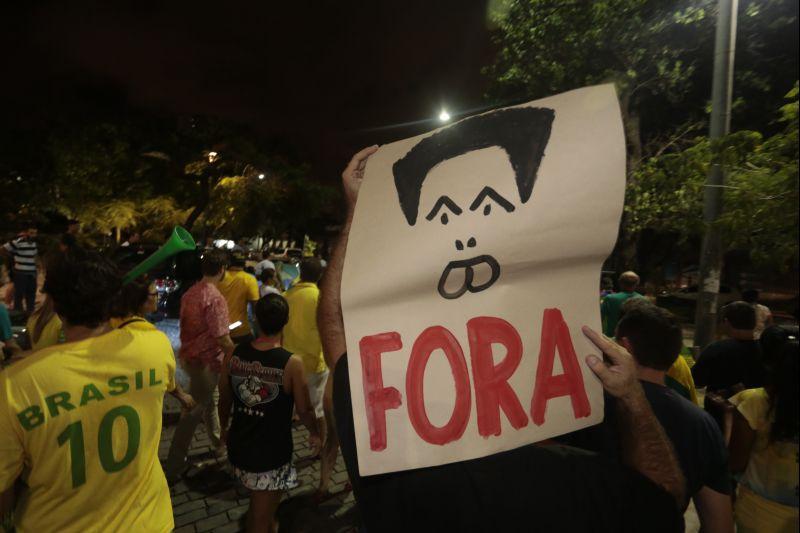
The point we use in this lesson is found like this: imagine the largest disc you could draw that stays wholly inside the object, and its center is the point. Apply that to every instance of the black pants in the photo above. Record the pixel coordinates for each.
(25, 288)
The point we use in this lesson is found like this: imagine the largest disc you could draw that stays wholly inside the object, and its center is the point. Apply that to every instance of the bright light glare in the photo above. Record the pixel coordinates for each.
(261, 176)
(212, 156)
(444, 116)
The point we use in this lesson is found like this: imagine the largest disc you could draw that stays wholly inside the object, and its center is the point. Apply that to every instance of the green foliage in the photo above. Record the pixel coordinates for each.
(761, 191)
(547, 47)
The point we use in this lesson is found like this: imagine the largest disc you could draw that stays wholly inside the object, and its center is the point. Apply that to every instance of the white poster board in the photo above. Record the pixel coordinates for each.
(474, 259)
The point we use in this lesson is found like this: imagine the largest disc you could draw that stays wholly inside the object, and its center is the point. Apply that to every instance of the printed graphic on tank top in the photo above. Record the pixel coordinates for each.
(254, 383)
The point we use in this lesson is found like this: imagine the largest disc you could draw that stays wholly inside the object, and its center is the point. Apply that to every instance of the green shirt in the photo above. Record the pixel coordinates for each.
(610, 308)
(5, 324)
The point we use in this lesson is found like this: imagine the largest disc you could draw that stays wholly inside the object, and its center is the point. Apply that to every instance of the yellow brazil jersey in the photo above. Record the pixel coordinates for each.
(50, 335)
(238, 287)
(300, 335)
(679, 378)
(80, 423)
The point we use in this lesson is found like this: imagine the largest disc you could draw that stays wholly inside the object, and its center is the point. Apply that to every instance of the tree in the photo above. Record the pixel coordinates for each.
(761, 195)
(642, 46)
(659, 55)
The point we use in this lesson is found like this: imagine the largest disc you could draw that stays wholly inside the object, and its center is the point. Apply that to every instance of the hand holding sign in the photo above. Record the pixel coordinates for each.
(353, 175)
(619, 375)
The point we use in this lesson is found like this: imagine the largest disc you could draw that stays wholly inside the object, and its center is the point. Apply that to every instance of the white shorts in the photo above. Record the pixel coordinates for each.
(316, 390)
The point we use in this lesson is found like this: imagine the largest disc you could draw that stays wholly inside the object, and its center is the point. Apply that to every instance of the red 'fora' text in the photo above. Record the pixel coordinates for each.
(492, 391)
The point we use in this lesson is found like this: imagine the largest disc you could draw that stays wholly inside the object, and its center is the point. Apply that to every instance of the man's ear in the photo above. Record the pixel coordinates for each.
(625, 343)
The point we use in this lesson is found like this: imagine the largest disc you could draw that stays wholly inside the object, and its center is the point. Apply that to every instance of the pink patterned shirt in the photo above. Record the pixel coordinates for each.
(204, 318)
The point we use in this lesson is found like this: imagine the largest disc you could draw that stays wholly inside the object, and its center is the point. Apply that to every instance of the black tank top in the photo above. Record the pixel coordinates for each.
(260, 437)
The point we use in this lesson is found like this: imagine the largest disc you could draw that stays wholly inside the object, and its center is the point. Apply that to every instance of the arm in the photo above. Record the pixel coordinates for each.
(714, 510)
(298, 387)
(329, 310)
(225, 400)
(226, 344)
(186, 400)
(741, 443)
(645, 447)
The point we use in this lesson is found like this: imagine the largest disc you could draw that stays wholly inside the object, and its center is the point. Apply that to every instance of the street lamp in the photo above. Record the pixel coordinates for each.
(444, 116)
(261, 176)
(212, 156)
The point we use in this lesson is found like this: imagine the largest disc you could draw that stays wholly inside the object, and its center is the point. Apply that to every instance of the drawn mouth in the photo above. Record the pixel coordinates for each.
(475, 268)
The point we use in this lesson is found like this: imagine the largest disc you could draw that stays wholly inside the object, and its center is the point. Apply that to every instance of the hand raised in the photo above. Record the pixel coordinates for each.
(618, 375)
(353, 175)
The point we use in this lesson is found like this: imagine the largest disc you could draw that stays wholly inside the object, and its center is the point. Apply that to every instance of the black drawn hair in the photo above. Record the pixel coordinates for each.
(522, 132)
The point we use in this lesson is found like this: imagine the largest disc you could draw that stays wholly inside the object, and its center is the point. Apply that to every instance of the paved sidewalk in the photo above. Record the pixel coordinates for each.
(208, 498)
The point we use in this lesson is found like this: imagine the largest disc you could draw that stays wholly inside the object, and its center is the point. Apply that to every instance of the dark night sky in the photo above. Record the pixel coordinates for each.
(319, 75)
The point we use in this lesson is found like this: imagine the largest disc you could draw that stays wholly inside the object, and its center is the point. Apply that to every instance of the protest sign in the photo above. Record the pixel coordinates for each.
(473, 261)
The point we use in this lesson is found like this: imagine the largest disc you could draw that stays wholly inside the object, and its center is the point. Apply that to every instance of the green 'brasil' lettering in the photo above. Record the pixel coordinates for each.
(91, 392)
(118, 385)
(30, 417)
(139, 377)
(59, 399)
(153, 381)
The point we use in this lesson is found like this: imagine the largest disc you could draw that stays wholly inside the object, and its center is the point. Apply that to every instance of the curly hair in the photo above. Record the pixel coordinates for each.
(783, 393)
(130, 298)
(82, 284)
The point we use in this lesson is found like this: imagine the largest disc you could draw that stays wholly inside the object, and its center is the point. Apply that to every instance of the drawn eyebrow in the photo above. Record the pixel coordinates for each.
(494, 195)
(443, 200)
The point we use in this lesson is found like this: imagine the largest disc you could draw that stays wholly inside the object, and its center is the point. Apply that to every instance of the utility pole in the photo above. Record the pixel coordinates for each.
(711, 253)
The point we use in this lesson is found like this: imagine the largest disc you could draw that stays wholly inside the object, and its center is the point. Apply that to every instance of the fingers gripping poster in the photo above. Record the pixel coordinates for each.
(473, 260)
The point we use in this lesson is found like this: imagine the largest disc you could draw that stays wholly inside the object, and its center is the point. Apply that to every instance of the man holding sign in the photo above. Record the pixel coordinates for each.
(511, 193)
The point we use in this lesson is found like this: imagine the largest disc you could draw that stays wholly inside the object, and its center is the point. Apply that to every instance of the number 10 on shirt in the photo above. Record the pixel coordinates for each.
(73, 434)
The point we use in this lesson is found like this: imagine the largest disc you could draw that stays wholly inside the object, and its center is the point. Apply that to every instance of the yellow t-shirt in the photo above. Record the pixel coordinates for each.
(772, 469)
(133, 322)
(300, 335)
(81, 423)
(51, 333)
(238, 287)
(679, 378)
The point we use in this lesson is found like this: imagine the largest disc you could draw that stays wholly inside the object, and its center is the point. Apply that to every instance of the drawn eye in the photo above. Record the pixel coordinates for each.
(493, 197)
(441, 204)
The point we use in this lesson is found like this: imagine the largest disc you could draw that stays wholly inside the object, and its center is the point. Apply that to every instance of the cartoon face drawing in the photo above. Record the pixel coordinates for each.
(513, 140)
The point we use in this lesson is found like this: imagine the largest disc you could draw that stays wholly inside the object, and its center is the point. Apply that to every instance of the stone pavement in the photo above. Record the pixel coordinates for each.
(208, 498)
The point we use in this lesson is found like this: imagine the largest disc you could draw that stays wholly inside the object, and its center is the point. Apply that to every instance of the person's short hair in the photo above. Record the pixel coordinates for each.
(267, 274)
(272, 313)
(750, 295)
(654, 333)
(633, 303)
(237, 259)
(82, 284)
(212, 262)
(740, 315)
(522, 132)
(310, 269)
(130, 298)
(628, 280)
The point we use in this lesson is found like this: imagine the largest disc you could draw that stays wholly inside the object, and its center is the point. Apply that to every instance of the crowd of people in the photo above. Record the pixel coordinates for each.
(81, 413)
